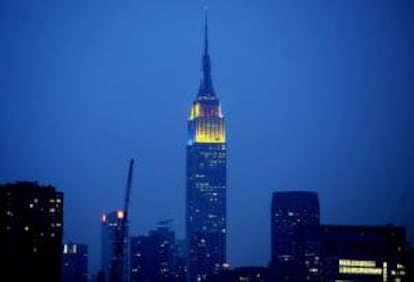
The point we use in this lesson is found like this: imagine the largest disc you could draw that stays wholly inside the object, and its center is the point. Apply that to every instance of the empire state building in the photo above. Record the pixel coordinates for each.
(206, 179)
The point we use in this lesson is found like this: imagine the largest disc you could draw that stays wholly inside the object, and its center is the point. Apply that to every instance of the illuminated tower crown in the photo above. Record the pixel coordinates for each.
(206, 123)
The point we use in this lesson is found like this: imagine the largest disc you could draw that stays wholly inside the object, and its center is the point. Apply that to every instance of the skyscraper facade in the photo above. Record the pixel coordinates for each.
(74, 262)
(206, 180)
(110, 227)
(31, 224)
(290, 212)
(152, 256)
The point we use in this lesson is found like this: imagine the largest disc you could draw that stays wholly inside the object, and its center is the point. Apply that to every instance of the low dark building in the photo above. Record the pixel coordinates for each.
(354, 253)
(75, 263)
(411, 264)
(31, 223)
(246, 274)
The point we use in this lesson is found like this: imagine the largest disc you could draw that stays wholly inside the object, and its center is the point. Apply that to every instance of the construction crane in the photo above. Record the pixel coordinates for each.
(118, 273)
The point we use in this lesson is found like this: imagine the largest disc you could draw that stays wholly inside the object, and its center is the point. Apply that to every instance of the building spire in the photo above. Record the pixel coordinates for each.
(206, 30)
(206, 85)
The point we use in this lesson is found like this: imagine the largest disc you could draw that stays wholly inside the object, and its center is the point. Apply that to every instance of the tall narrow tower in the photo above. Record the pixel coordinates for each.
(206, 179)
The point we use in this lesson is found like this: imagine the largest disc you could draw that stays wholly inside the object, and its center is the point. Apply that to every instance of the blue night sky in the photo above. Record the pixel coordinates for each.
(317, 95)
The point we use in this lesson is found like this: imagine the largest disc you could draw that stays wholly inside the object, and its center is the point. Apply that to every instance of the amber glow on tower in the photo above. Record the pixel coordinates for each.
(206, 123)
(120, 214)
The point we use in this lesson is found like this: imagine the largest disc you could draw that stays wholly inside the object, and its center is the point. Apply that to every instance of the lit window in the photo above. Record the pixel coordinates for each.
(358, 263)
(400, 266)
(360, 270)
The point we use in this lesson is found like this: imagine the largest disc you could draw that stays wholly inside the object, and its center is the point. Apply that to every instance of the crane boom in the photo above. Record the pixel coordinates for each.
(128, 189)
(117, 273)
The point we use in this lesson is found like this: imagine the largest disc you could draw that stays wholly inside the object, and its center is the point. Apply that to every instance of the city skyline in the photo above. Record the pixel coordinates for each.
(322, 107)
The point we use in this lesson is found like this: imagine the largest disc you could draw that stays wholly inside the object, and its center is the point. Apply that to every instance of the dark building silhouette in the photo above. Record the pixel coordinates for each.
(99, 276)
(206, 180)
(110, 226)
(152, 257)
(289, 213)
(355, 253)
(144, 264)
(74, 262)
(411, 264)
(179, 262)
(31, 223)
(246, 274)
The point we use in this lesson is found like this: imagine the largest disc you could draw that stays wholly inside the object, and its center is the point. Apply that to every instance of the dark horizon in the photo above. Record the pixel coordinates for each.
(317, 97)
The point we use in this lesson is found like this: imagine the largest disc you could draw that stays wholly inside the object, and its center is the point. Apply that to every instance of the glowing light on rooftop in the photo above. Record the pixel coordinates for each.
(120, 214)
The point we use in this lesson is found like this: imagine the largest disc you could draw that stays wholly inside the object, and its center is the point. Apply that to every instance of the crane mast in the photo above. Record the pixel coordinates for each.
(118, 273)
(128, 189)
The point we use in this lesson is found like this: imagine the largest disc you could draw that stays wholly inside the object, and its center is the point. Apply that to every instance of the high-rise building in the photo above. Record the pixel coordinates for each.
(179, 260)
(289, 213)
(143, 258)
(74, 262)
(151, 257)
(31, 223)
(111, 224)
(356, 253)
(206, 180)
